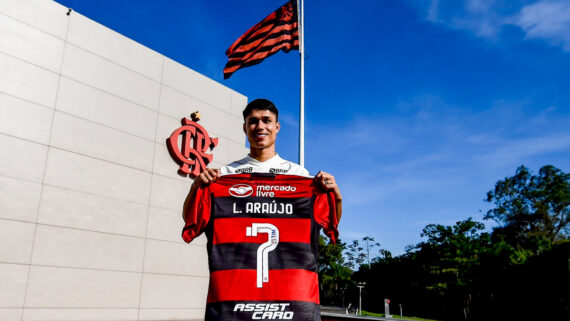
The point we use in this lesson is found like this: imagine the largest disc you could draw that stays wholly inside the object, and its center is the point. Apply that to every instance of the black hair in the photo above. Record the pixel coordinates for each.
(260, 104)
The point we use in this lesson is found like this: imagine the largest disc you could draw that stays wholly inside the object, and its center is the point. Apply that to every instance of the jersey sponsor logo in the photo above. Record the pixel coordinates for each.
(266, 311)
(269, 190)
(245, 170)
(244, 190)
(278, 170)
(240, 190)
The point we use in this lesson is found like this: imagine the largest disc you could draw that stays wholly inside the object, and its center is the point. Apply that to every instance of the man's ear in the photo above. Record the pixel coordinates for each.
(278, 126)
(243, 127)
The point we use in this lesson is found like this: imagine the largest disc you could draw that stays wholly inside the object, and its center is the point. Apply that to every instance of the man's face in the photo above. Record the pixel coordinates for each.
(261, 128)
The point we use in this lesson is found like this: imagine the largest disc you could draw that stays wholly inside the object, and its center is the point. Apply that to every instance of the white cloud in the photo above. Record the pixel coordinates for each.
(352, 235)
(433, 11)
(477, 16)
(479, 6)
(433, 144)
(484, 27)
(289, 120)
(548, 20)
(511, 151)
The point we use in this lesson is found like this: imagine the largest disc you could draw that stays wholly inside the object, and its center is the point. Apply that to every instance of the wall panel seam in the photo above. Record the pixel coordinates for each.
(105, 270)
(193, 97)
(45, 168)
(150, 189)
(113, 62)
(103, 232)
(105, 126)
(96, 194)
(25, 100)
(30, 63)
(212, 133)
(32, 26)
(20, 179)
(107, 92)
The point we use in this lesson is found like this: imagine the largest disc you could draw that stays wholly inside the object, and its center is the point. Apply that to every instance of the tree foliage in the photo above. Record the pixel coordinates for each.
(533, 210)
(449, 258)
(334, 274)
(359, 252)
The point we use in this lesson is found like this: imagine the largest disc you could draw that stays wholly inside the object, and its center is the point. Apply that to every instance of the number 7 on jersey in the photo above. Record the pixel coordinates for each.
(264, 248)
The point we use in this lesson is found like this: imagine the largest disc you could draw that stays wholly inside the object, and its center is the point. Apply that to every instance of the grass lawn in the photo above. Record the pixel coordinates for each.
(394, 316)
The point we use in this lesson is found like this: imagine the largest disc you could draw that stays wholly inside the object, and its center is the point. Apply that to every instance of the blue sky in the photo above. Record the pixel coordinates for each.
(417, 107)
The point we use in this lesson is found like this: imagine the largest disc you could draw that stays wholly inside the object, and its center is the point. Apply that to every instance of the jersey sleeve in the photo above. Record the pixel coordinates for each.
(325, 214)
(199, 215)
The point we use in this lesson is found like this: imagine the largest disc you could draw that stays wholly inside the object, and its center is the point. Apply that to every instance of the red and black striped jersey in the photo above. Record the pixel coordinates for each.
(262, 235)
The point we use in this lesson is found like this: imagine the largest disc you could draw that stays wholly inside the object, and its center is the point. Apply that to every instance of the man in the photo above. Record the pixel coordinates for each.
(284, 218)
(261, 125)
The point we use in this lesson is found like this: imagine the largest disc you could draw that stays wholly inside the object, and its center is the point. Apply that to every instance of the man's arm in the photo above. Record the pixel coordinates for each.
(328, 183)
(210, 175)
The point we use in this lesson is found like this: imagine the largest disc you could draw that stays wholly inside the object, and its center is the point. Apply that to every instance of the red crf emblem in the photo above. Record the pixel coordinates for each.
(192, 156)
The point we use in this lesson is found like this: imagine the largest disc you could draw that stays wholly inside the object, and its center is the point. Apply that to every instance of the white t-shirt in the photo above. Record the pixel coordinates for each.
(275, 165)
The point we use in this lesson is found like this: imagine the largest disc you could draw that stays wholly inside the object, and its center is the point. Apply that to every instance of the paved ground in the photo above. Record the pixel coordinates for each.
(329, 313)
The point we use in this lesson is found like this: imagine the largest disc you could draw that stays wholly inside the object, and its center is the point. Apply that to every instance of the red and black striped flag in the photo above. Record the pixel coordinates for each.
(279, 31)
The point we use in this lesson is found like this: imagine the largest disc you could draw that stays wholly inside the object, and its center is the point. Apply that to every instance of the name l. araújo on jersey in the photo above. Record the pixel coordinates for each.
(263, 208)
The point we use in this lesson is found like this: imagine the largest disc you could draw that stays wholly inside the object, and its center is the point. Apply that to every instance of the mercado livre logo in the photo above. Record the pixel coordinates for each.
(241, 190)
(244, 190)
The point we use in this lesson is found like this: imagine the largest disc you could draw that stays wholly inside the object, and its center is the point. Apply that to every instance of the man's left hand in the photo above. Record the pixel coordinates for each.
(328, 183)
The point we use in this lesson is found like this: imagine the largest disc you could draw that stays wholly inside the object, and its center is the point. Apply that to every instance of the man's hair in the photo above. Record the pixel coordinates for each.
(260, 104)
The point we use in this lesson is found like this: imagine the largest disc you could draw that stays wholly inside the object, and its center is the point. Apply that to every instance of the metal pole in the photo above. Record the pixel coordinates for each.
(360, 300)
(360, 286)
(301, 23)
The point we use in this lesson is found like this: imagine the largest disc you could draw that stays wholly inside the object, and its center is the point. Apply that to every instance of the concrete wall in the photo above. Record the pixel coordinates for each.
(90, 202)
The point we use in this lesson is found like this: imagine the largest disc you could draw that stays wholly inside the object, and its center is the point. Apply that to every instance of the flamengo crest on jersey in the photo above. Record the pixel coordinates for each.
(262, 245)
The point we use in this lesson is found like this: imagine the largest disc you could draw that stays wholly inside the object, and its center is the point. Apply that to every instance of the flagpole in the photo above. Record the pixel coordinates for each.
(300, 18)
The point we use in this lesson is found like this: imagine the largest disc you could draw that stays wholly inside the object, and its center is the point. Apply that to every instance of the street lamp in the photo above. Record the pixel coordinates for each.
(360, 286)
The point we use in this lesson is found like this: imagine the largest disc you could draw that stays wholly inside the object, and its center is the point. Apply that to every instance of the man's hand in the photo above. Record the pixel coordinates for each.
(208, 176)
(328, 183)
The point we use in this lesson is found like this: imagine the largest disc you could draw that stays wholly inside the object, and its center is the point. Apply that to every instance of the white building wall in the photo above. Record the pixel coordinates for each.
(90, 201)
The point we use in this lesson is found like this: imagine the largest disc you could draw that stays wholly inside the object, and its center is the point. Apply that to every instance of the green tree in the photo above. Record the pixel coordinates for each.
(334, 274)
(355, 254)
(358, 254)
(532, 210)
(449, 258)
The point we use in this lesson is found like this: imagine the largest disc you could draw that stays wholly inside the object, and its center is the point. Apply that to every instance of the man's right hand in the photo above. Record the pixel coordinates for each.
(208, 176)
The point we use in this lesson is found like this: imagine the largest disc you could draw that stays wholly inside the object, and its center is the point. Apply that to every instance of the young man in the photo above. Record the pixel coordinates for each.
(261, 125)
(246, 282)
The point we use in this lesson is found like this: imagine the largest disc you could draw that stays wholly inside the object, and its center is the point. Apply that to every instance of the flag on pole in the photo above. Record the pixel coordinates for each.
(279, 31)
